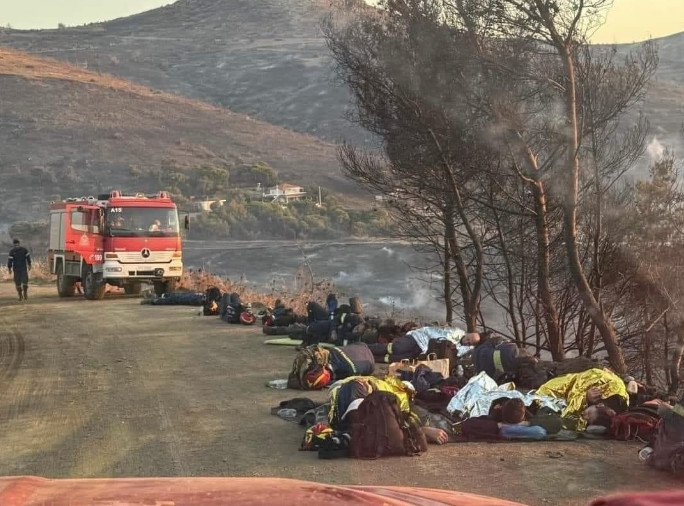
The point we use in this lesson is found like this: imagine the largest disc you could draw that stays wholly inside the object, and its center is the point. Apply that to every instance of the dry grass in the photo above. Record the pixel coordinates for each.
(40, 273)
(17, 63)
(297, 300)
(200, 281)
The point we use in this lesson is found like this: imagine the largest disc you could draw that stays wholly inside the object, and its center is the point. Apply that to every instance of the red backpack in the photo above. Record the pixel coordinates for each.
(379, 429)
(633, 424)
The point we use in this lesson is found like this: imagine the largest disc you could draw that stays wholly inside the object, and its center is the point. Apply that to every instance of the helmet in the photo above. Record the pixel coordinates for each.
(247, 318)
(318, 378)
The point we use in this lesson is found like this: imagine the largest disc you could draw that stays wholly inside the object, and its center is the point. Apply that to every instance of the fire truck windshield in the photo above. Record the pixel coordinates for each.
(141, 222)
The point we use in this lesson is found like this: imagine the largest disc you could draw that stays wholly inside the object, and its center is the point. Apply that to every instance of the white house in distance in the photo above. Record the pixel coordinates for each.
(284, 193)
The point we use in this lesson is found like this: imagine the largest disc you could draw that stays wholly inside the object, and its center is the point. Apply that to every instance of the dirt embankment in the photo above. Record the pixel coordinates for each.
(113, 388)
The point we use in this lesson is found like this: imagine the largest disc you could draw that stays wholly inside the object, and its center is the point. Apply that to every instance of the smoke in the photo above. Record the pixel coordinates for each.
(420, 298)
(655, 150)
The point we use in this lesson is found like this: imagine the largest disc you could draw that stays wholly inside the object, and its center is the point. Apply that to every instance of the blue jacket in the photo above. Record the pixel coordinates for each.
(495, 357)
(353, 360)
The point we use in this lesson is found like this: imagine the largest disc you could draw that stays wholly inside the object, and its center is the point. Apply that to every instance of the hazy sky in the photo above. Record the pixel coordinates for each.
(628, 21)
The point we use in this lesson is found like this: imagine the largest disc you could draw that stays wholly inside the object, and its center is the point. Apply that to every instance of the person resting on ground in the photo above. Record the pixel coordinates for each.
(598, 415)
(342, 362)
(282, 316)
(413, 341)
(346, 396)
(595, 387)
(401, 348)
(511, 416)
(503, 361)
(666, 451)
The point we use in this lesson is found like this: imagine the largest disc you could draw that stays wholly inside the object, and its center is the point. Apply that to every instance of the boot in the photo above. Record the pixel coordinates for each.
(21, 295)
(25, 292)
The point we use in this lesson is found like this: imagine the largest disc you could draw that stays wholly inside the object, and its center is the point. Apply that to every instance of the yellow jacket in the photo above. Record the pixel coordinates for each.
(573, 388)
(372, 384)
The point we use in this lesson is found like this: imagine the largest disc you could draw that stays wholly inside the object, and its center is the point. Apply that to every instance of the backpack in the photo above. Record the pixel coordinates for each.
(341, 313)
(668, 445)
(355, 305)
(210, 308)
(380, 429)
(307, 359)
(632, 424)
(442, 348)
(213, 294)
(315, 312)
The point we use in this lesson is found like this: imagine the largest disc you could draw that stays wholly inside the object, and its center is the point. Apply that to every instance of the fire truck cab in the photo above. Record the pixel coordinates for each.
(116, 239)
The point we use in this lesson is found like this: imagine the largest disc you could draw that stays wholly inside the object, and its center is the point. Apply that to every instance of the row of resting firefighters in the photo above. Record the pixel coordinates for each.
(593, 395)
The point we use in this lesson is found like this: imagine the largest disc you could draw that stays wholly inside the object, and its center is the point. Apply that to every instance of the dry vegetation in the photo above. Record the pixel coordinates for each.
(199, 281)
(309, 289)
(40, 273)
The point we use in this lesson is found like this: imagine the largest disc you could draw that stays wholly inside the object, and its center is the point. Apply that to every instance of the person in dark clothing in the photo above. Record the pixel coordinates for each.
(503, 361)
(401, 348)
(331, 305)
(316, 313)
(666, 451)
(352, 360)
(343, 362)
(19, 261)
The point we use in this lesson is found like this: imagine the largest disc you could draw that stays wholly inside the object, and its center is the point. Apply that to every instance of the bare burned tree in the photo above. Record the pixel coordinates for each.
(558, 31)
(407, 96)
(509, 130)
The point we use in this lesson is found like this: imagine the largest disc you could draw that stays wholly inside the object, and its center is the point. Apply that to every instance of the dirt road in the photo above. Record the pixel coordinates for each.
(113, 388)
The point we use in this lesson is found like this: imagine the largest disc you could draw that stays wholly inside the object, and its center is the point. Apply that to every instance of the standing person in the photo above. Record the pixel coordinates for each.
(19, 260)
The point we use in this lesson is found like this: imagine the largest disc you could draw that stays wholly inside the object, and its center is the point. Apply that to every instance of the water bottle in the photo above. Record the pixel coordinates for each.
(288, 414)
(279, 384)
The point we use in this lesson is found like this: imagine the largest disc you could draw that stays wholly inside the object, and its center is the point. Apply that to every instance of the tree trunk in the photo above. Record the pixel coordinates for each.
(469, 313)
(543, 274)
(647, 347)
(447, 279)
(510, 281)
(676, 362)
(602, 322)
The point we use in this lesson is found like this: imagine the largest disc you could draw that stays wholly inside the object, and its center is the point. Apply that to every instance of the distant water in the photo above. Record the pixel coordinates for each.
(380, 273)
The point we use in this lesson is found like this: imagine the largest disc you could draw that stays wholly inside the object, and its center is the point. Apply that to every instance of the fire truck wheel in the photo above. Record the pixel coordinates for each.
(65, 284)
(132, 288)
(93, 285)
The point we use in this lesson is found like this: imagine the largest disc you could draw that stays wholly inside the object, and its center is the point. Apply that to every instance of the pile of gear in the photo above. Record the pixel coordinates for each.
(440, 384)
(227, 306)
(331, 323)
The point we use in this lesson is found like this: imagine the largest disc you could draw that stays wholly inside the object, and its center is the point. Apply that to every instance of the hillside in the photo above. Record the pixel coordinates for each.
(671, 54)
(68, 131)
(266, 58)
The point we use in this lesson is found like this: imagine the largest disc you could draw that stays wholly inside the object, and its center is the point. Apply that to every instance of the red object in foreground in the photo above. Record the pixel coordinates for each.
(27, 490)
(667, 498)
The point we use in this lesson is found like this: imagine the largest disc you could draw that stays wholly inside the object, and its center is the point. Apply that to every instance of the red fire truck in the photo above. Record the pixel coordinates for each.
(116, 239)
